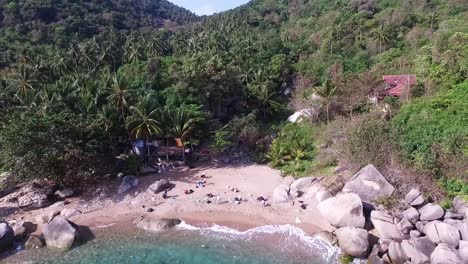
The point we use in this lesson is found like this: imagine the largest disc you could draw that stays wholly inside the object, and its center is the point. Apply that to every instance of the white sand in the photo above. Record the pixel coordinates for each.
(251, 181)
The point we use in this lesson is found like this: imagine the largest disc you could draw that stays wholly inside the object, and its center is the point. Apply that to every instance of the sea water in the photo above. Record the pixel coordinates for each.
(282, 244)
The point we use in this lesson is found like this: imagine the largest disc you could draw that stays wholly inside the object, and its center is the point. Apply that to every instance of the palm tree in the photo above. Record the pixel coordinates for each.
(143, 121)
(166, 127)
(107, 118)
(183, 125)
(327, 91)
(262, 88)
(23, 81)
(382, 35)
(119, 94)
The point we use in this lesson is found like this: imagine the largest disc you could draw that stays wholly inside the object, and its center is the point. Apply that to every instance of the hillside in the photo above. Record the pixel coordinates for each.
(104, 72)
(62, 22)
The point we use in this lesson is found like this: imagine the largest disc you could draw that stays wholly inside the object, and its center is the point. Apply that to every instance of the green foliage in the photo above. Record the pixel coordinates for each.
(61, 147)
(454, 187)
(293, 149)
(368, 141)
(433, 132)
(446, 204)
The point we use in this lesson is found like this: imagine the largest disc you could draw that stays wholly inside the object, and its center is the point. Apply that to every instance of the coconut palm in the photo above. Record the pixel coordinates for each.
(183, 125)
(143, 121)
(262, 88)
(119, 94)
(382, 35)
(327, 91)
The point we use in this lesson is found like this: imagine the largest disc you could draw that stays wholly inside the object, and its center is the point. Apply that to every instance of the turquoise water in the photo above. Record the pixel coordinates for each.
(215, 245)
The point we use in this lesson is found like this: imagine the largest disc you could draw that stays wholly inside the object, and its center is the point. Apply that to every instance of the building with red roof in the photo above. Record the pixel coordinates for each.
(396, 85)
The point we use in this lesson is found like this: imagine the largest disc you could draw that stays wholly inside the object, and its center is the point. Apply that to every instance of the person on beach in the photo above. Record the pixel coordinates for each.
(164, 195)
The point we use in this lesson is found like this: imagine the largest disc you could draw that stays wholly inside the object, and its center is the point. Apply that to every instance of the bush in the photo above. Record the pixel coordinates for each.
(293, 149)
(369, 141)
(433, 132)
(453, 187)
(61, 147)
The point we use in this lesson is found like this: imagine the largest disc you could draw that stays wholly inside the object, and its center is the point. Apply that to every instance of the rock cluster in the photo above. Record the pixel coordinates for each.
(421, 233)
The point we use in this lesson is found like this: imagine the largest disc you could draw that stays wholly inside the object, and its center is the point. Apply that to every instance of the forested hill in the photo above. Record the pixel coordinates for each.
(62, 21)
(105, 72)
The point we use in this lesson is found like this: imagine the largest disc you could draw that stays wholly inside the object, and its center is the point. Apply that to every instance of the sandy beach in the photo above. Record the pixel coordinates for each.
(197, 209)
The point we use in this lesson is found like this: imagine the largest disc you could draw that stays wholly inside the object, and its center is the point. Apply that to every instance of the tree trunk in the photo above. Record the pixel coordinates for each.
(167, 148)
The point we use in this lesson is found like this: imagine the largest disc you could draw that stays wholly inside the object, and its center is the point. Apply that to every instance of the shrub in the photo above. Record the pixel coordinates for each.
(368, 141)
(62, 147)
(433, 132)
(293, 149)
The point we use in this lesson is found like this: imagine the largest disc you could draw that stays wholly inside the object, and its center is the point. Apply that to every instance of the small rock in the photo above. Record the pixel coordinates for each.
(47, 216)
(300, 185)
(159, 186)
(414, 234)
(281, 194)
(451, 215)
(19, 229)
(431, 212)
(414, 198)
(405, 226)
(150, 210)
(154, 224)
(70, 212)
(445, 254)
(329, 237)
(65, 193)
(411, 214)
(420, 226)
(34, 242)
(128, 183)
(353, 241)
(460, 205)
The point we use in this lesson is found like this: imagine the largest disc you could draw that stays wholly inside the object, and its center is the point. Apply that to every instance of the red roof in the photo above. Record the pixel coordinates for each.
(395, 85)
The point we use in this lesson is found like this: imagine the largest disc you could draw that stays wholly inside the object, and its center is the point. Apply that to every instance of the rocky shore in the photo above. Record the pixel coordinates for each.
(420, 231)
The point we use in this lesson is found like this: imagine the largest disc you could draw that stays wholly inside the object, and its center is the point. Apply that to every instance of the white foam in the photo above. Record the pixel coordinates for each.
(289, 235)
(103, 226)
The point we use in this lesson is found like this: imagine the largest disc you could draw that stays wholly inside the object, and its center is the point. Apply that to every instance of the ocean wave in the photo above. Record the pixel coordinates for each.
(288, 236)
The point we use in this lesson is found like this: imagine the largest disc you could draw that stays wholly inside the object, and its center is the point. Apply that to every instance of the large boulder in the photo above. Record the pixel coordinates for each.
(419, 250)
(6, 236)
(385, 226)
(395, 254)
(159, 186)
(461, 206)
(60, 233)
(463, 228)
(154, 224)
(343, 210)
(128, 183)
(353, 241)
(463, 251)
(300, 185)
(445, 254)
(369, 184)
(431, 212)
(281, 194)
(414, 198)
(439, 232)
